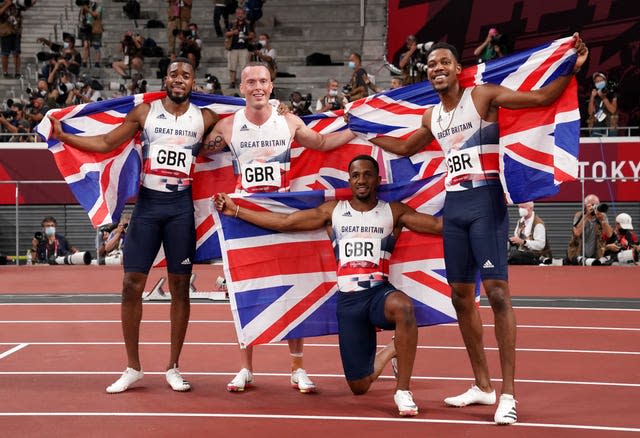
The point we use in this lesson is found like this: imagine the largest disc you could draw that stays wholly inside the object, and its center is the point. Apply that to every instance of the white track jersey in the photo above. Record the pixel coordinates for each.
(362, 243)
(167, 147)
(470, 144)
(262, 154)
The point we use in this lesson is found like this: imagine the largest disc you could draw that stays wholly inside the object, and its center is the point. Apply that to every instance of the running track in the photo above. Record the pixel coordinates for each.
(578, 375)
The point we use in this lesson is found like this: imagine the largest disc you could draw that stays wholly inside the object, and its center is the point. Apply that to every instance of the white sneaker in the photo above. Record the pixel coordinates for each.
(302, 382)
(176, 382)
(506, 412)
(473, 396)
(406, 406)
(243, 379)
(129, 377)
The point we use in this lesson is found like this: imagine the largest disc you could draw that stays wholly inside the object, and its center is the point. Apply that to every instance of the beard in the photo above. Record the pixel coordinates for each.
(178, 99)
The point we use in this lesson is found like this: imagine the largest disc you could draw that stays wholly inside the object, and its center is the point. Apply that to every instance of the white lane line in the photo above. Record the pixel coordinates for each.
(314, 418)
(318, 376)
(332, 345)
(12, 350)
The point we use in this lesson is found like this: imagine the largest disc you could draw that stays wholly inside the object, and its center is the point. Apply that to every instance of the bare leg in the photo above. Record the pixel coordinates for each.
(131, 315)
(246, 358)
(470, 323)
(295, 350)
(180, 310)
(505, 330)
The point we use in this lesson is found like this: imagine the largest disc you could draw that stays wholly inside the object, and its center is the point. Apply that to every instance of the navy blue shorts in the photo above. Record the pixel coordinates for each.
(475, 231)
(359, 313)
(161, 218)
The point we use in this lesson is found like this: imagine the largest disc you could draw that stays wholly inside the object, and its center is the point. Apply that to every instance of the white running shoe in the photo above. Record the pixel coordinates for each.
(243, 379)
(473, 396)
(129, 377)
(302, 382)
(406, 406)
(175, 380)
(506, 412)
(394, 367)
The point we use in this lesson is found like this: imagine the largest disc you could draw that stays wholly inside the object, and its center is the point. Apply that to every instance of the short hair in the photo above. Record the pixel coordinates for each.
(183, 60)
(49, 219)
(446, 46)
(331, 81)
(357, 55)
(365, 158)
(265, 34)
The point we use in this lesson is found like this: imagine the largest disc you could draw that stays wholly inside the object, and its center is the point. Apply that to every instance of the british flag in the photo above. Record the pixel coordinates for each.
(282, 285)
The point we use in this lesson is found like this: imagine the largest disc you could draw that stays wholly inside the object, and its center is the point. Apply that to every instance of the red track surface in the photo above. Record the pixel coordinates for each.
(578, 375)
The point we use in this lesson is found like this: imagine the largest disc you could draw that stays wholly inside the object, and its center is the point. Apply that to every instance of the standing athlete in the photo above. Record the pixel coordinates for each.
(363, 230)
(475, 215)
(172, 128)
(260, 141)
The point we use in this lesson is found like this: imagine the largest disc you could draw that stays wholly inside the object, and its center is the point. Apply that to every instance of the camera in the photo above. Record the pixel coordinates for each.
(23, 5)
(346, 89)
(212, 82)
(602, 208)
(424, 47)
(9, 115)
(254, 47)
(39, 236)
(78, 258)
(420, 66)
(81, 3)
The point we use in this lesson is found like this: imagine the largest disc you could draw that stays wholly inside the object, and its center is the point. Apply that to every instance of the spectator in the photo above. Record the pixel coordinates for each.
(396, 82)
(266, 54)
(90, 32)
(237, 54)
(486, 51)
(592, 222)
(37, 109)
(603, 108)
(332, 100)
(212, 85)
(48, 244)
(253, 9)
(359, 84)
(65, 52)
(410, 62)
(13, 121)
(178, 18)
(83, 92)
(10, 35)
(622, 246)
(132, 57)
(191, 45)
(529, 244)
(220, 11)
(300, 105)
(113, 237)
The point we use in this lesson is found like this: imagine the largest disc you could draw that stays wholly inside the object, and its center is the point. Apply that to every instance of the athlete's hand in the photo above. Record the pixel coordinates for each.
(283, 109)
(225, 205)
(56, 128)
(582, 50)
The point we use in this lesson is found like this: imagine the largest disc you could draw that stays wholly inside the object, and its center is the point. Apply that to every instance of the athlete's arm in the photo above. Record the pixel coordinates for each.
(303, 220)
(133, 122)
(210, 118)
(415, 221)
(412, 145)
(503, 97)
(219, 137)
(309, 138)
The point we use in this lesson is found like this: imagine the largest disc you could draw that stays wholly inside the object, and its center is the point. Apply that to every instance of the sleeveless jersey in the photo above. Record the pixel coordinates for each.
(362, 243)
(262, 154)
(167, 147)
(470, 144)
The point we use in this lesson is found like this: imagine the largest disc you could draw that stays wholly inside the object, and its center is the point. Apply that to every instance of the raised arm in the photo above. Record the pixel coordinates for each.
(412, 145)
(133, 122)
(302, 220)
(309, 138)
(415, 221)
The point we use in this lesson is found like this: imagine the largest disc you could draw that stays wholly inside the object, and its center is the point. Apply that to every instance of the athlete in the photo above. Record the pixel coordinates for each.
(475, 214)
(172, 128)
(363, 231)
(260, 141)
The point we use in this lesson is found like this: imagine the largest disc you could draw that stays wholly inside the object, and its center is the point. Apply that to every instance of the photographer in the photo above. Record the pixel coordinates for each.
(113, 238)
(11, 33)
(486, 51)
(190, 44)
(529, 243)
(300, 104)
(593, 223)
(263, 52)
(132, 57)
(212, 85)
(411, 60)
(64, 57)
(90, 30)
(603, 108)
(178, 18)
(47, 244)
(360, 83)
(36, 109)
(12, 121)
(622, 246)
(237, 37)
(333, 100)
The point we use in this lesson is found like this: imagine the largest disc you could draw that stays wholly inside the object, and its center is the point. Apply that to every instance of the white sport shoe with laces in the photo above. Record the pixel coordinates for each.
(242, 380)
(506, 412)
(176, 382)
(404, 401)
(473, 396)
(128, 377)
(302, 382)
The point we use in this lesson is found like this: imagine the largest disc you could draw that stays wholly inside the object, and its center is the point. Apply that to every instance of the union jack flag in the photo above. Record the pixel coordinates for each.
(282, 285)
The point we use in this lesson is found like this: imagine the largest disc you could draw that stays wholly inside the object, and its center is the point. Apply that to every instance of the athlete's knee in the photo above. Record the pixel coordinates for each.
(359, 387)
(462, 298)
(133, 286)
(401, 308)
(498, 296)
